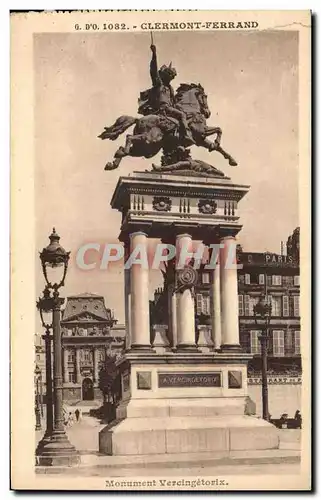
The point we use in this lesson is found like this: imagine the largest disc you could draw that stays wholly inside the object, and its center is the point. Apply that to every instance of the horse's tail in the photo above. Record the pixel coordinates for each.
(121, 124)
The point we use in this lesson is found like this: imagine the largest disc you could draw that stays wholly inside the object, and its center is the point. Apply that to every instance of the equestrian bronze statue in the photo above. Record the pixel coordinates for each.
(171, 122)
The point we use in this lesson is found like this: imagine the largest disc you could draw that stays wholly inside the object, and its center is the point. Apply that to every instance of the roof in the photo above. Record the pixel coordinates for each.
(85, 295)
(86, 304)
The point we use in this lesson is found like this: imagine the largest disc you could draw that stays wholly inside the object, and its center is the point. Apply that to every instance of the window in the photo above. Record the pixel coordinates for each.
(276, 302)
(205, 278)
(101, 355)
(278, 342)
(252, 302)
(288, 342)
(296, 305)
(261, 279)
(206, 304)
(247, 279)
(269, 280)
(86, 355)
(71, 377)
(255, 342)
(296, 280)
(199, 303)
(38, 357)
(287, 281)
(286, 309)
(297, 345)
(71, 357)
(276, 280)
(245, 341)
(241, 305)
(241, 279)
(246, 305)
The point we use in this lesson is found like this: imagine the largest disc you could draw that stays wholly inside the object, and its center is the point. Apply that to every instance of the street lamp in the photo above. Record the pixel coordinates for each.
(57, 450)
(37, 405)
(262, 314)
(44, 306)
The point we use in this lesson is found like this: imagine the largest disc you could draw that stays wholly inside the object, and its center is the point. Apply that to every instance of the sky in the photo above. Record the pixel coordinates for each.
(83, 82)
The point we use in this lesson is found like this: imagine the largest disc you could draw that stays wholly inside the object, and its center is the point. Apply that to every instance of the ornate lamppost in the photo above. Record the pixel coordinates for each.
(44, 305)
(41, 394)
(262, 315)
(37, 405)
(57, 450)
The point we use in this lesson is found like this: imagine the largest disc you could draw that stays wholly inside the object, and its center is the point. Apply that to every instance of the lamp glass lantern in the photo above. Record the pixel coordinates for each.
(44, 306)
(37, 372)
(53, 258)
(262, 311)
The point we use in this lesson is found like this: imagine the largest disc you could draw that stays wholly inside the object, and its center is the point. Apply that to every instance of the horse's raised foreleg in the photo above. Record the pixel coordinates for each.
(215, 146)
(226, 155)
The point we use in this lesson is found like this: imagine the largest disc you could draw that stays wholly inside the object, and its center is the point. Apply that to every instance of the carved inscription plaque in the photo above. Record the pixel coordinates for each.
(189, 379)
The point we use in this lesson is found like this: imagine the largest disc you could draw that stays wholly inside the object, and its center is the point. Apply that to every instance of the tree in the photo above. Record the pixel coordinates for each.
(108, 378)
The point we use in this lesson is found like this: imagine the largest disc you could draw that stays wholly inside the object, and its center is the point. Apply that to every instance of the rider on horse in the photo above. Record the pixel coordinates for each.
(161, 98)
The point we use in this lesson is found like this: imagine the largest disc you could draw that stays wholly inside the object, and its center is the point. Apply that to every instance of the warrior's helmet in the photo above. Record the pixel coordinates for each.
(167, 71)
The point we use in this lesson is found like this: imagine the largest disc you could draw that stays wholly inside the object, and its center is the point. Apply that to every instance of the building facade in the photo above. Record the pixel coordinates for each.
(259, 273)
(278, 276)
(89, 333)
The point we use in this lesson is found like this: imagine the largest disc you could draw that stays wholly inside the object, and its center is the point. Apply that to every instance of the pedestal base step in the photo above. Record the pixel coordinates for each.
(169, 435)
(177, 461)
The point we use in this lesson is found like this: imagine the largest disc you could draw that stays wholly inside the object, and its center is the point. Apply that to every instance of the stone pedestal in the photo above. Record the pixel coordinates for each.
(183, 398)
(179, 402)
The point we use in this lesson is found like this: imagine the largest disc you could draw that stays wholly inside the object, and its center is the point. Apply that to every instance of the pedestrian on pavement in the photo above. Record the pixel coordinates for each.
(70, 419)
(77, 414)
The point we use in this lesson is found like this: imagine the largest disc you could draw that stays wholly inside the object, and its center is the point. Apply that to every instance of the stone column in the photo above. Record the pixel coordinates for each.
(127, 296)
(171, 295)
(173, 317)
(185, 304)
(77, 361)
(229, 295)
(95, 366)
(65, 371)
(139, 297)
(215, 304)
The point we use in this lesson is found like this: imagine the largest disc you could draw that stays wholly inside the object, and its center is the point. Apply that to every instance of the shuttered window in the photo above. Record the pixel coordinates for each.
(206, 304)
(296, 305)
(246, 305)
(276, 280)
(252, 302)
(276, 302)
(241, 305)
(199, 303)
(286, 309)
(278, 342)
(297, 343)
(255, 342)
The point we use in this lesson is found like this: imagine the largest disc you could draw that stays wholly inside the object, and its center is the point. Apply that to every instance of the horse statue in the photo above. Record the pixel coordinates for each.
(159, 131)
